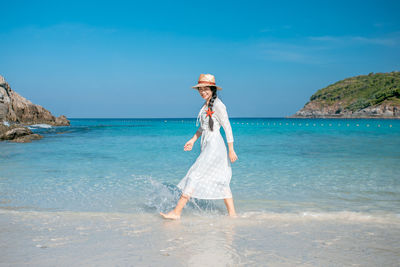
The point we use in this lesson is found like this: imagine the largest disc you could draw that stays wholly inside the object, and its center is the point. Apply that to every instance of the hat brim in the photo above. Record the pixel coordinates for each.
(204, 85)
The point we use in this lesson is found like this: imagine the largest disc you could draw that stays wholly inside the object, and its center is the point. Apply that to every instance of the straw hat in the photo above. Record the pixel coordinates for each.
(206, 80)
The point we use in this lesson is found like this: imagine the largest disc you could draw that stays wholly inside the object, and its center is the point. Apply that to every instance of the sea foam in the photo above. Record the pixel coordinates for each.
(41, 125)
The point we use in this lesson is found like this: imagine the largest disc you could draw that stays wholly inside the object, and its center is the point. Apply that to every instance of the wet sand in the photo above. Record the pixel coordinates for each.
(252, 239)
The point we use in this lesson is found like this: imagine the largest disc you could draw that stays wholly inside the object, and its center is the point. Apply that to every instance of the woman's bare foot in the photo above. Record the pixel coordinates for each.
(233, 215)
(171, 215)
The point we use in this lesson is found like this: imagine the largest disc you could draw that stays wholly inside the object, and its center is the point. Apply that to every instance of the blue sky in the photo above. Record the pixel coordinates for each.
(103, 59)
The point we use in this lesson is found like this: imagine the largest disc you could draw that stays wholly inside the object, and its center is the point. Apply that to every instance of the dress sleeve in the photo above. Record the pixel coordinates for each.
(223, 119)
(199, 130)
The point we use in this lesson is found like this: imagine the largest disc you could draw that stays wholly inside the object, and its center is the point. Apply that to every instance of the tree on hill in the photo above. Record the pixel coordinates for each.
(362, 91)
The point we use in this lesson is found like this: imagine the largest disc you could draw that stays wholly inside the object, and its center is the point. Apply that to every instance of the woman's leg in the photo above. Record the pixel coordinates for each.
(176, 213)
(230, 207)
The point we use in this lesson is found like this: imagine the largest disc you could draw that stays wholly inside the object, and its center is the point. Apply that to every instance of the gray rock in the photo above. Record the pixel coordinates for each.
(27, 138)
(2, 81)
(3, 111)
(15, 108)
(16, 133)
(316, 110)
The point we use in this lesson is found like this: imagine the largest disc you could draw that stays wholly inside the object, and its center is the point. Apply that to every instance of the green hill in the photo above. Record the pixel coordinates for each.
(362, 91)
(375, 94)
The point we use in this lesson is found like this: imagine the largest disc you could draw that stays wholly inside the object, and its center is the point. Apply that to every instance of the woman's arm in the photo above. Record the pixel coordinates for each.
(197, 134)
(223, 119)
(189, 144)
(230, 146)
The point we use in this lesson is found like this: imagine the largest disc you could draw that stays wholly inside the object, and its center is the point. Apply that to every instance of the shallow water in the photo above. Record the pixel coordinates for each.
(131, 165)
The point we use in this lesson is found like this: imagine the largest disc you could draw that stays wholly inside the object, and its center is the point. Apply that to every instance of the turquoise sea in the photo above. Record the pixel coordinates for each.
(126, 171)
(133, 165)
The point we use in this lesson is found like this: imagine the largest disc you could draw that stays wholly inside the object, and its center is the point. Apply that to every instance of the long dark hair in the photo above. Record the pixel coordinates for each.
(210, 105)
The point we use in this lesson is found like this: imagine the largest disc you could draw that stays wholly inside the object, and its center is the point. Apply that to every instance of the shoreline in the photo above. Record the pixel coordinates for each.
(382, 217)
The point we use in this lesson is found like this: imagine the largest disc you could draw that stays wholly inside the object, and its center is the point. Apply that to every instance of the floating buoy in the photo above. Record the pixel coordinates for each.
(272, 123)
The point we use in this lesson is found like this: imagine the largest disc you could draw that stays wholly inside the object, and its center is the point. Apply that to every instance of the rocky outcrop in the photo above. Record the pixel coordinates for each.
(17, 133)
(17, 109)
(365, 96)
(386, 109)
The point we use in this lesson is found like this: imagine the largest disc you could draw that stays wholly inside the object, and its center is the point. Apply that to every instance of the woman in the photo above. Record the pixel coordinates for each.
(210, 175)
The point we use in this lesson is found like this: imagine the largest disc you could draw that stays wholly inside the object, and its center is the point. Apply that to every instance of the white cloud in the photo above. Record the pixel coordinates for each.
(392, 40)
(318, 49)
(288, 52)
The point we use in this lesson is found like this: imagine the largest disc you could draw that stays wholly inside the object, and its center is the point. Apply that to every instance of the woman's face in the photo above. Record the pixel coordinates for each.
(205, 92)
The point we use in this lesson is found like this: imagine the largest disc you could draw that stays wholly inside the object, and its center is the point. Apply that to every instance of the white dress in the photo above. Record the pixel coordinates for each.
(211, 173)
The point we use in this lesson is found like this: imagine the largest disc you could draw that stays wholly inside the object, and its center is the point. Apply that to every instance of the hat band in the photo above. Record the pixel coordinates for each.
(213, 83)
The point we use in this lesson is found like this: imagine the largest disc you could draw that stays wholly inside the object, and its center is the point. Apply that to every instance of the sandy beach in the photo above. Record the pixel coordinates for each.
(253, 239)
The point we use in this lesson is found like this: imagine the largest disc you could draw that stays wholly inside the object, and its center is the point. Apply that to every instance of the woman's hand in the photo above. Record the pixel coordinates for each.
(232, 155)
(189, 145)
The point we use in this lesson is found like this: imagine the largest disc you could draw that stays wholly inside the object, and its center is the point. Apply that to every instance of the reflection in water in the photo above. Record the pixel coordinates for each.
(202, 241)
